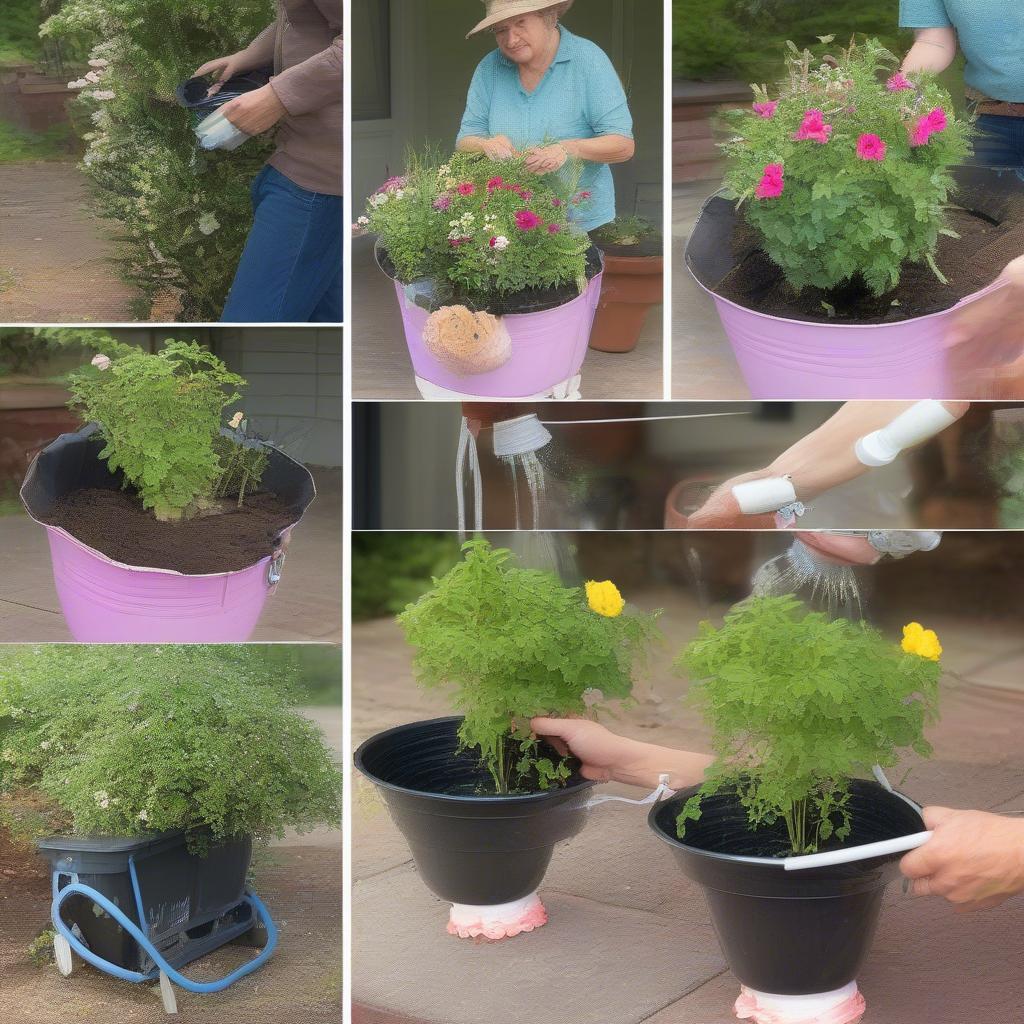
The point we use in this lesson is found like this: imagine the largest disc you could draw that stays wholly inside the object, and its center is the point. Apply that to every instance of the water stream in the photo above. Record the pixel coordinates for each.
(824, 585)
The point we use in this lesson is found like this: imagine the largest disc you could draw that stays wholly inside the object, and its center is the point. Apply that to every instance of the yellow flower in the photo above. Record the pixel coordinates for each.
(604, 598)
(920, 641)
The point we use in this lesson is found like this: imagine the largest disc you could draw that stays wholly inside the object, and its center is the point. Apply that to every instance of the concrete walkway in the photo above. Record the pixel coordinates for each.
(629, 938)
(380, 360)
(56, 258)
(703, 366)
(305, 606)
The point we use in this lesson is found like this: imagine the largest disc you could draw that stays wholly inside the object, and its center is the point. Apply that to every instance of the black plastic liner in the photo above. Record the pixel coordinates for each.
(432, 295)
(478, 850)
(193, 93)
(72, 463)
(192, 904)
(711, 254)
(788, 932)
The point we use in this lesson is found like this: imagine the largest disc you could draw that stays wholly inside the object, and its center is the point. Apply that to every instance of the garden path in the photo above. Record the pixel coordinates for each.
(55, 257)
(629, 939)
(380, 360)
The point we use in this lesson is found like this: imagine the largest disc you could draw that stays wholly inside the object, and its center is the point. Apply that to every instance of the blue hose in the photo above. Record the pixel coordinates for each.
(78, 888)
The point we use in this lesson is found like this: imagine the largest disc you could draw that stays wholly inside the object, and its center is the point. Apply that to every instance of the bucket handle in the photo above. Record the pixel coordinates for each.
(662, 791)
(275, 568)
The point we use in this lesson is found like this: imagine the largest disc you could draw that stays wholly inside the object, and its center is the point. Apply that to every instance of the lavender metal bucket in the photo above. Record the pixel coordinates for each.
(548, 347)
(793, 359)
(105, 601)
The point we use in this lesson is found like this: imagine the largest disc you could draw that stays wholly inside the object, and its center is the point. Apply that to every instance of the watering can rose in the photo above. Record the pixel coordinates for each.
(604, 598)
(921, 641)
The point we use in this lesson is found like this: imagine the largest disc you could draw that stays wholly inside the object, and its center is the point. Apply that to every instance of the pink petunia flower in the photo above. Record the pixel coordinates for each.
(771, 185)
(527, 220)
(899, 83)
(937, 120)
(494, 184)
(442, 202)
(871, 147)
(557, 202)
(766, 109)
(467, 188)
(813, 128)
(927, 126)
(553, 229)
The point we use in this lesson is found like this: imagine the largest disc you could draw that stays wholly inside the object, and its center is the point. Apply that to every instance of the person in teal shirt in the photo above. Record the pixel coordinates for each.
(991, 35)
(551, 95)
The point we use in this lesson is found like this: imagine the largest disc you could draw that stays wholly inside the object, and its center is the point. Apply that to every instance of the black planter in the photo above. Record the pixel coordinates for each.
(193, 94)
(190, 904)
(788, 932)
(469, 849)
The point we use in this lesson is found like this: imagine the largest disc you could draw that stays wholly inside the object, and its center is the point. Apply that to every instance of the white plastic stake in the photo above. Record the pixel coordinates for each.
(769, 495)
(167, 996)
(854, 853)
(62, 954)
(914, 425)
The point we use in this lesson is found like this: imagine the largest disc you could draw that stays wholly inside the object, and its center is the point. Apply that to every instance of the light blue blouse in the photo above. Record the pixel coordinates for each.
(991, 37)
(579, 97)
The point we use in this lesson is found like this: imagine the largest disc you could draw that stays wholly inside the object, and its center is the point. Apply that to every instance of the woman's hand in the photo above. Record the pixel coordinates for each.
(498, 148)
(222, 68)
(254, 112)
(546, 159)
(839, 548)
(974, 859)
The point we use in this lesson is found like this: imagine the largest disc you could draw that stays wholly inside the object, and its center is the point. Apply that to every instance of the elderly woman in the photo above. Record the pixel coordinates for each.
(551, 95)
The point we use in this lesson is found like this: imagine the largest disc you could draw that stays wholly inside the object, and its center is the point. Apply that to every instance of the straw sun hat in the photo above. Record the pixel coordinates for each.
(499, 10)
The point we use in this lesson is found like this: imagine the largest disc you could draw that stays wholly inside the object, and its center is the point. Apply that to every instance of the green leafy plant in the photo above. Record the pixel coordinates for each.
(626, 231)
(160, 416)
(845, 174)
(183, 214)
(484, 227)
(799, 704)
(513, 643)
(136, 739)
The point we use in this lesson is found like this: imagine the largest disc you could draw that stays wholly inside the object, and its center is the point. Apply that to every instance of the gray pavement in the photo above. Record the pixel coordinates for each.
(629, 939)
(306, 606)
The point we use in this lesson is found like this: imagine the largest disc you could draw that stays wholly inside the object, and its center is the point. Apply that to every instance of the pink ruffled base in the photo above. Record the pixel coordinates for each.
(492, 924)
(845, 1006)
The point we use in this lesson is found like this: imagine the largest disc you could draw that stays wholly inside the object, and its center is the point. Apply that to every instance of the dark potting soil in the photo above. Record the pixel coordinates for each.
(970, 263)
(115, 523)
(529, 300)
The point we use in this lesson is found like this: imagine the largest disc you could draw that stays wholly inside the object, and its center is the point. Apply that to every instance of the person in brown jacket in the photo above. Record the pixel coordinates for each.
(290, 270)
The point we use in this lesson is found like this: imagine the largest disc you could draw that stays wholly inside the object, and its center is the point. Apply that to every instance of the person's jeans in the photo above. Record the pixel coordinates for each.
(290, 270)
(1000, 143)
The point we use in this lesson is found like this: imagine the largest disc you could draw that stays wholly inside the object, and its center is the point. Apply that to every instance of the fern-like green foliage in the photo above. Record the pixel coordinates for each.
(431, 229)
(512, 643)
(182, 214)
(130, 740)
(798, 705)
(840, 217)
(160, 416)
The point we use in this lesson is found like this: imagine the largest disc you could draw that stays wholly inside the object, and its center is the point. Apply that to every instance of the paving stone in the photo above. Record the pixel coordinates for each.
(591, 964)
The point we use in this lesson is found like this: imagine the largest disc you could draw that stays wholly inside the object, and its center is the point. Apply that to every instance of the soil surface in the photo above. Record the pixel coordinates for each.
(115, 523)
(971, 262)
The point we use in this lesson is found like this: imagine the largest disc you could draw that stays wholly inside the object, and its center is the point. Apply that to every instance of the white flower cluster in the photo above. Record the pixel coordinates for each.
(501, 243)
(102, 798)
(208, 223)
(463, 227)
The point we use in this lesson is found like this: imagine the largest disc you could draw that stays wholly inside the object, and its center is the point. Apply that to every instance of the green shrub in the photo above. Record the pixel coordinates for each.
(136, 739)
(845, 178)
(505, 231)
(799, 704)
(513, 643)
(183, 214)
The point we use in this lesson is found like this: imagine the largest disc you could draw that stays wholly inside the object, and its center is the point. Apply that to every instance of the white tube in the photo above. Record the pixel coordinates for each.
(519, 436)
(853, 853)
(914, 425)
(769, 495)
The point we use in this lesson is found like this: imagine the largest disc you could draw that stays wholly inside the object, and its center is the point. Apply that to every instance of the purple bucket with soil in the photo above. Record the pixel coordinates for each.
(853, 345)
(549, 330)
(123, 577)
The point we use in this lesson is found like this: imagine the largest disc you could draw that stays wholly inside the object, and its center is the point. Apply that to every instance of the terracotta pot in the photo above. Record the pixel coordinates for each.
(632, 284)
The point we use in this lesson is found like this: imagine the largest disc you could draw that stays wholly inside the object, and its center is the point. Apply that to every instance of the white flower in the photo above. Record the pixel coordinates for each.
(102, 798)
(378, 199)
(103, 94)
(92, 76)
(46, 744)
(78, 83)
(9, 756)
(501, 242)
(99, 62)
(143, 816)
(101, 361)
(104, 804)
(399, 192)
(363, 221)
(236, 420)
(208, 223)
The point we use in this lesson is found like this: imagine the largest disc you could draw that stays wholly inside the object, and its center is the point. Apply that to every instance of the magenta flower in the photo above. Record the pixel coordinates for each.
(871, 147)
(927, 126)
(467, 188)
(494, 184)
(527, 220)
(442, 202)
(766, 109)
(392, 185)
(771, 184)
(813, 128)
(557, 202)
(937, 120)
(553, 229)
(899, 83)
